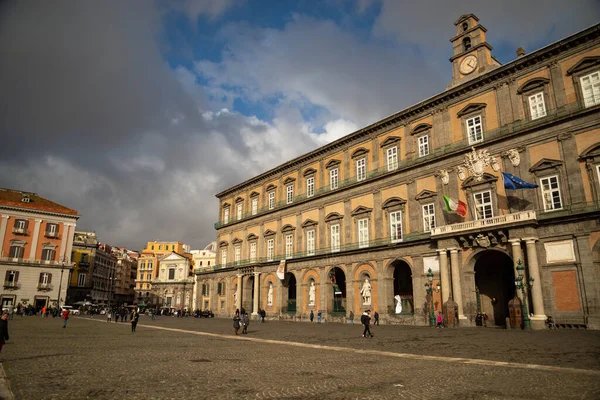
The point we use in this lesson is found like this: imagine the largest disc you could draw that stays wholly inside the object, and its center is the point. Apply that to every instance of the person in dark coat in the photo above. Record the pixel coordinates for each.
(135, 316)
(312, 315)
(3, 330)
(365, 319)
(236, 321)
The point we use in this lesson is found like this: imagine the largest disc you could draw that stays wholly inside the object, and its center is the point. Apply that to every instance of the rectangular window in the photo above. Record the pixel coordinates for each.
(483, 205)
(223, 256)
(333, 179)
(537, 106)
(289, 246)
(270, 249)
(590, 87)
(44, 278)
(310, 242)
(239, 210)
(392, 158)
(310, 186)
(423, 145)
(396, 226)
(226, 215)
(20, 224)
(271, 200)
(51, 229)
(81, 279)
(551, 193)
(252, 251)
(289, 189)
(475, 130)
(16, 252)
(150, 265)
(361, 169)
(237, 254)
(255, 206)
(171, 273)
(428, 217)
(11, 277)
(48, 254)
(363, 233)
(335, 237)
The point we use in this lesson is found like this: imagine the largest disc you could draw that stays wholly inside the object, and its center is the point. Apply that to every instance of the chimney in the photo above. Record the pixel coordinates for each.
(520, 52)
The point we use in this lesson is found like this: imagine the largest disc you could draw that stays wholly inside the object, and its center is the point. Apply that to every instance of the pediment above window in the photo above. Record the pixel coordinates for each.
(544, 164)
(226, 205)
(308, 223)
(360, 210)
(270, 188)
(49, 245)
(223, 243)
(332, 164)
(390, 140)
(394, 203)
(18, 242)
(591, 152)
(268, 233)
(309, 172)
(251, 236)
(239, 199)
(288, 228)
(425, 195)
(486, 179)
(254, 194)
(532, 84)
(236, 241)
(471, 108)
(421, 128)
(333, 217)
(585, 63)
(289, 180)
(360, 152)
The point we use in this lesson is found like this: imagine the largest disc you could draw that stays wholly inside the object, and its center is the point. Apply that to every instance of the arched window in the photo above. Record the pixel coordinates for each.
(465, 26)
(466, 43)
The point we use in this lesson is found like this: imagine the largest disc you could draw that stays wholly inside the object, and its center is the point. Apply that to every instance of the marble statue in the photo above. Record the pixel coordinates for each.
(366, 292)
(312, 294)
(270, 295)
(398, 304)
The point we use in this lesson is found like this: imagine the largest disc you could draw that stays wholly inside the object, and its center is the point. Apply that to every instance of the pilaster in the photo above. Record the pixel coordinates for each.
(35, 238)
(444, 276)
(3, 224)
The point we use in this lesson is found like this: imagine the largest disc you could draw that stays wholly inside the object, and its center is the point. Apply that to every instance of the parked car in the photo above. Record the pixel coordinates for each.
(207, 314)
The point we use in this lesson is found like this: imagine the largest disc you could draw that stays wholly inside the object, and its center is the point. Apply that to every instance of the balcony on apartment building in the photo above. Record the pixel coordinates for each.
(20, 231)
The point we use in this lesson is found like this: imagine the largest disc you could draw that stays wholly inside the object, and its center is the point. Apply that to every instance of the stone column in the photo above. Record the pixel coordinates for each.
(238, 303)
(256, 293)
(3, 225)
(517, 255)
(444, 277)
(34, 239)
(71, 233)
(456, 286)
(539, 317)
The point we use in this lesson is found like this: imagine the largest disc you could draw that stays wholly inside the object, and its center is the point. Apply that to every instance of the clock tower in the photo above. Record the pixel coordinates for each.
(472, 54)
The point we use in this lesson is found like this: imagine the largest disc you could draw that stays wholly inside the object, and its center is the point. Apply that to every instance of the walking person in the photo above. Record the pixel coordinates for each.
(65, 317)
(365, 319)
(376, 315)
(245, 322)
(440, 320)
(135, 316)
(351, 317)
(109, 316)
(312, 316)
(3, 329)
(319, 315)
(236, 321)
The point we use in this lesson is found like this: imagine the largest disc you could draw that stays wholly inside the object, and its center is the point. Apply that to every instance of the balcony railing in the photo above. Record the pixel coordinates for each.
(11, 285)
(51, 235)
(484, 223)
(20, 231)
(44, 286)
(26, 261)
(517, 126)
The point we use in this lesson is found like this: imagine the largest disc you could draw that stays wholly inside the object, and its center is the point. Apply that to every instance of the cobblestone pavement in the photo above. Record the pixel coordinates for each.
(201, 358)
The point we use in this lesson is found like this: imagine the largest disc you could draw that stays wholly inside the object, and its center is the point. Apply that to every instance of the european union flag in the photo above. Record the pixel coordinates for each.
(512, 182)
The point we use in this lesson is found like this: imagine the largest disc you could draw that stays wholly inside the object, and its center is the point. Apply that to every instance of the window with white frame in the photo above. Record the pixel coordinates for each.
(252, 251)
(171, 274)
(254, 205)
(551, 193)
(335, 237)
(423, 145)
(51, 229)
(361, 169)
(271, 200)
(537, 106)
(11, 277)
(239, 210)
(289, 190)
(48, 254)
(20, 224)
(270, 249)
(392, 158)
(289, 246)
(428, 217)
(226, 215)
(483, 205)
(333, 179)
(363, 232)
(590, 87)
(237, 254)
(81, 279)
(223, 256)
(16, 250)
(310, 242)
(474, 129)
(44, 278)
(396, 226)
(310, 186)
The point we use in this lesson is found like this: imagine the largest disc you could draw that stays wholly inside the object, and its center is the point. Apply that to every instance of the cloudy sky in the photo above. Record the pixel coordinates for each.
(136, 113)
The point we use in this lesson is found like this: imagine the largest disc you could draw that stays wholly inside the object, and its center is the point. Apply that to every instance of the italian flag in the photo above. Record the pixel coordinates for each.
(454, 206)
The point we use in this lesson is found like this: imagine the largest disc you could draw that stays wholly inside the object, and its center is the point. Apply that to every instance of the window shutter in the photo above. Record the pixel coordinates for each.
(6, 276)
(26, 223)
(16, 276)
(49, 278)
(41, 277)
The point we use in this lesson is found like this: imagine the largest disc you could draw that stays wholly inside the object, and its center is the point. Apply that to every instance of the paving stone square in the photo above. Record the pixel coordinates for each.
(173, 358)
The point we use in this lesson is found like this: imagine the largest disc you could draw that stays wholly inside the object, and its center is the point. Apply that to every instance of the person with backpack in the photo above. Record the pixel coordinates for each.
(365, 319)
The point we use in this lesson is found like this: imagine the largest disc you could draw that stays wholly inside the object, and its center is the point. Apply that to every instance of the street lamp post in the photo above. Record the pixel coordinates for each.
(520, 284)
(429, 290)
(62, 270)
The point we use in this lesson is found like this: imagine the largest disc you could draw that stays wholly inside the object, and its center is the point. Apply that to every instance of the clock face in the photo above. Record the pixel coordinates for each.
(468, 64)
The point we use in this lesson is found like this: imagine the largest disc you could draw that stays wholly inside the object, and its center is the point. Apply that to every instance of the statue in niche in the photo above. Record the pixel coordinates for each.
(312, 294)
(235, 295)
(366, 292)
(398, 304)
(270, 294)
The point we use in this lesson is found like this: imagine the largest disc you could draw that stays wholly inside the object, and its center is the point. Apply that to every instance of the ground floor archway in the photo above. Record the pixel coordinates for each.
(289, 285)
(494, 285)
(337, 277)
(402, 293)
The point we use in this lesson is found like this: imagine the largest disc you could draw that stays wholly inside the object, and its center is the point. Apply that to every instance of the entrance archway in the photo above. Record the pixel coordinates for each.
(248, 294)
(495, 285)
(403, 287)
(337, 277)
(290, 284)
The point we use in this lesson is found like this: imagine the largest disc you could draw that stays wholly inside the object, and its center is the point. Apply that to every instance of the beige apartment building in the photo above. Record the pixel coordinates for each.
(362, 222)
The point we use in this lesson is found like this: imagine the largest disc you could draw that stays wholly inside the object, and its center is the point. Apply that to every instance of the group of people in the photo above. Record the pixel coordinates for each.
(241, 319)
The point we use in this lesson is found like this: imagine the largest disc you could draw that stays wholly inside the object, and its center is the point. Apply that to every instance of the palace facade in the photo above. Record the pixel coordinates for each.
(367, 221)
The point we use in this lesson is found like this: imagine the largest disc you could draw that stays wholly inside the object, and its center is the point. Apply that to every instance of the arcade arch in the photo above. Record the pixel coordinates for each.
(494, 284)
